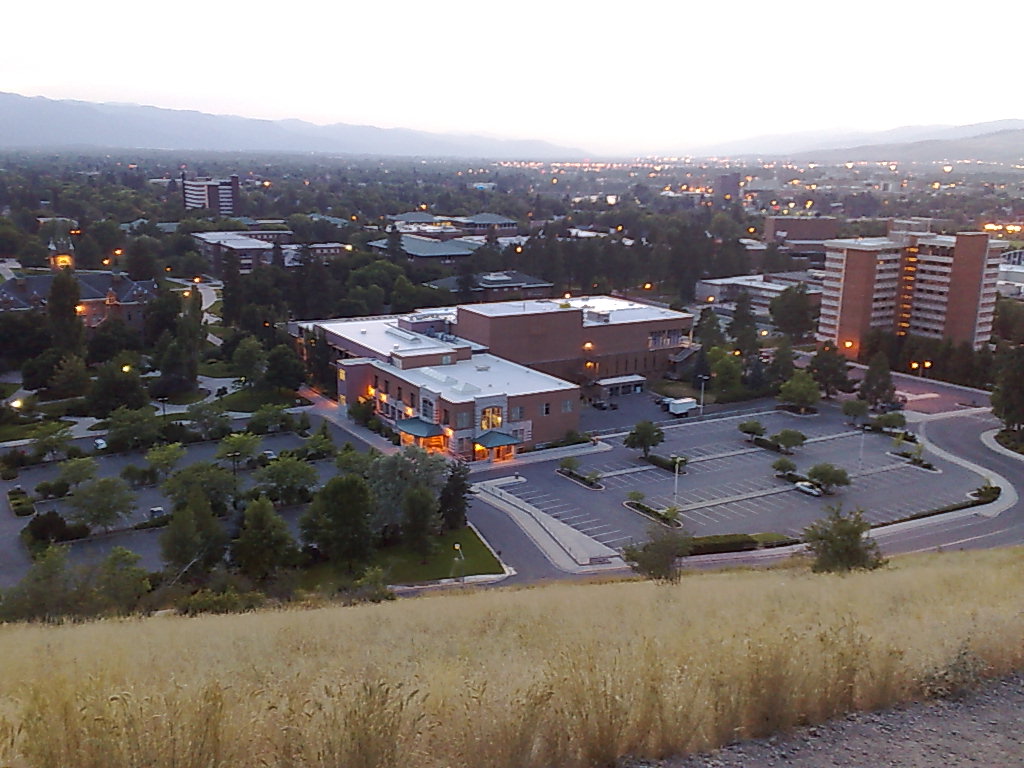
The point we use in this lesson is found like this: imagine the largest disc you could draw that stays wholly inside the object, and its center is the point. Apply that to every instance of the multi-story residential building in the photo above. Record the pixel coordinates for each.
(910, 282)
(219, 195)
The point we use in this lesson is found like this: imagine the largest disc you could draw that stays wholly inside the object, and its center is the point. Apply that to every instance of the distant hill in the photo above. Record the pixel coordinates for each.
(1005, 146)
(38, 122)
(818, 144)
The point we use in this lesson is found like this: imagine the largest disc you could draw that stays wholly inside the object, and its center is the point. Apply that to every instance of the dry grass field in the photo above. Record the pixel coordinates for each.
(555, 677)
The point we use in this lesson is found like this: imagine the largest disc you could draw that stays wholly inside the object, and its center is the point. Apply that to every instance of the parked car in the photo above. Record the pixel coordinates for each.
(605, 405)
(269, 455)
(809, 488)
(100, 444)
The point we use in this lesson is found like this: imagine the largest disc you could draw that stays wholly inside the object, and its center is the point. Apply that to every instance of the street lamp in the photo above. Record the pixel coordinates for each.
(461, 559)
(703, 380)
(675, 482)
(920, 366)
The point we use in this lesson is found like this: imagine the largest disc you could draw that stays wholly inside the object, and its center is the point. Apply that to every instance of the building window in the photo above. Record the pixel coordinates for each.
(387, 386)
(545, 410)
(567, 406)
(400, 394)
(446, 359)
(376, 381)
(427, 409)
(446, 417)
(490, 418)
(462, 420)
(516, 413)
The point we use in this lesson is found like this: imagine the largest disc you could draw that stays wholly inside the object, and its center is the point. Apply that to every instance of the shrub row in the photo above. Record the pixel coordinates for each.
(664, 462)
(660, 515)
(726, 542)
(21, 503)
(591, 480)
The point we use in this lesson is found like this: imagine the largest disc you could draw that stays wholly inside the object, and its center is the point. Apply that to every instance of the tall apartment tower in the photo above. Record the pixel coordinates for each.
(219, 195)
(910, 282)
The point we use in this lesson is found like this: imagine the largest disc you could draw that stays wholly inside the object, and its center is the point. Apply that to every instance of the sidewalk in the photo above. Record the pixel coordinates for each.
(566, 548)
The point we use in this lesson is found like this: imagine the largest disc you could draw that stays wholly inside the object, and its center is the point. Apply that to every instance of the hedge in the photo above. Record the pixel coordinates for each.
(664, 462)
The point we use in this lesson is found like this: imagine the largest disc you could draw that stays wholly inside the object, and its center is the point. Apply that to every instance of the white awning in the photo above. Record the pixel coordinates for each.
(633, 378)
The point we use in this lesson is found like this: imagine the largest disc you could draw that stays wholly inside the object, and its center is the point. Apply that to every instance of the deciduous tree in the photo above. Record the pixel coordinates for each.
(101, 502)
(657, 558)
(644, 436)
(337, 523)
(800, 391)
(877, 385)
(828, 476)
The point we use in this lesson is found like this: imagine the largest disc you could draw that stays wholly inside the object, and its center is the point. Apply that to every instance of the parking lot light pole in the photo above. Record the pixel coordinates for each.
(703, 380)
(675, 483)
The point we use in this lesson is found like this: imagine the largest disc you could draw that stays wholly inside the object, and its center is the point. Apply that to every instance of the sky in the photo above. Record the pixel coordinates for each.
(633, 76)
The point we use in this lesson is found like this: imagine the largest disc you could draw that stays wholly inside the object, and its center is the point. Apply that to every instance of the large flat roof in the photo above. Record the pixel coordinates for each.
(480, 376)
(597, 310)
(383, 336)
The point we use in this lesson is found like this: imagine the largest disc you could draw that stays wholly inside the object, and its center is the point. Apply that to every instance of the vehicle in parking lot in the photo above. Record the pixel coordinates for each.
(807, 487)
(605, 405)
(682, 406)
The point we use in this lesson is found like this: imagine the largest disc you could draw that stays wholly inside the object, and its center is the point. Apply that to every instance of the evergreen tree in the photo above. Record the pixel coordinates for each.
(708, 331)
(1008, 397)
(264, 543)
(792, 312)
(877, 385)
(829, 368)
(419, 519)
(61, 309)
(781, 367)
(454, 498)
(743, 326)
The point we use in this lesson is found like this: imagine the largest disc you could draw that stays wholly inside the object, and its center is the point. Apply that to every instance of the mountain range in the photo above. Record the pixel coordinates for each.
(39, 122)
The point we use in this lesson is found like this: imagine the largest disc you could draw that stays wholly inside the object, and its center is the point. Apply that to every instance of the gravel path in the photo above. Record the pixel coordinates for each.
(984, 728)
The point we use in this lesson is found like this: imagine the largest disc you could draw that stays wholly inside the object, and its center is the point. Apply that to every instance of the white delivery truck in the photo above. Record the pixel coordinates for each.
(682, 406)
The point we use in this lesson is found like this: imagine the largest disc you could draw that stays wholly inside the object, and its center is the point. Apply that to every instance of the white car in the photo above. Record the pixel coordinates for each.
(809, 488)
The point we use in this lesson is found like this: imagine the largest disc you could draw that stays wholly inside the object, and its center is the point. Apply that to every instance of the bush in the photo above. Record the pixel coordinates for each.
(8, 473)
(50, 527)
(228, 601)
(839, 543)
(657, 558)
(767, 442)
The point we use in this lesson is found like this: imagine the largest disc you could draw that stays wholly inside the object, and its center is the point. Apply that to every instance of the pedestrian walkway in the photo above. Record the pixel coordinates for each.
(568, 549)
(337, 415)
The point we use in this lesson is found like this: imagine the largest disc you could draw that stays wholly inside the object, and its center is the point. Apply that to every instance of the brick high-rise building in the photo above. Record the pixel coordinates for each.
(911, 282)
(219, 195)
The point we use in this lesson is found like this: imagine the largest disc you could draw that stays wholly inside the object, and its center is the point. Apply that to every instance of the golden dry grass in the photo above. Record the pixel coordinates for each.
(559, 676)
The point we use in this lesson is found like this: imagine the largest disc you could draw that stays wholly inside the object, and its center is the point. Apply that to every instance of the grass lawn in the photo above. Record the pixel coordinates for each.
(404, 567)
(187, 398)
(669, 388)
(248, 400)
(30, 431)
(6, 390)
(216, 307)
(217, 369)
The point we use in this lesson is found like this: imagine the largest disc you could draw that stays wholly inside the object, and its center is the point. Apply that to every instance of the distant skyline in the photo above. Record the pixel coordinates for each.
(609, 78)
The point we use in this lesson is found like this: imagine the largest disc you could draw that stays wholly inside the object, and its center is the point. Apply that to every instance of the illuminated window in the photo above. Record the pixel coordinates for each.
(490, 418)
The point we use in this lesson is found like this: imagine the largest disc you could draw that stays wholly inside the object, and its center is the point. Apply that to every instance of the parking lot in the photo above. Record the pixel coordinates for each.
(728, 485)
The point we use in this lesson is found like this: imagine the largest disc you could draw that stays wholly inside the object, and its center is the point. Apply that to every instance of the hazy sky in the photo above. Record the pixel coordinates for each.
(629, 76)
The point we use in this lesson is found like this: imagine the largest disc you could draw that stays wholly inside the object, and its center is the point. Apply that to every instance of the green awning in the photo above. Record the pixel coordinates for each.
(495, 439)
(418, 427)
